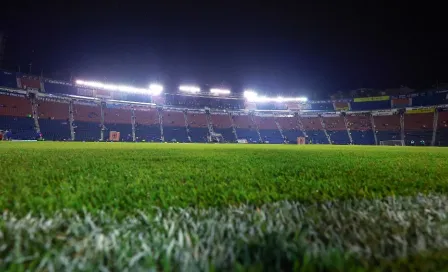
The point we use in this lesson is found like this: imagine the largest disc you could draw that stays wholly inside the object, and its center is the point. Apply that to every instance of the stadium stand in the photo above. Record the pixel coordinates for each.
(174, 129)
(328, 106)
(16, 116)
(222, 124)
(147, 126)
(54, 119)
(271, 106)
(314, 130)
(87, 121)
(245, 128)
(290, 128)
(197, 127)
(442, 128)
(59, 87)
(117, 118)
(387, 127)
(30, 104)
(8, 79)
(268, 129)
(418, 128)
(198, 102)
(360, 126)
(370, 105)
(336, 129)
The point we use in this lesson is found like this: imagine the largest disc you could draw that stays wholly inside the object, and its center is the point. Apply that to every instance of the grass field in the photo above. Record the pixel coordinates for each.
(197, 207)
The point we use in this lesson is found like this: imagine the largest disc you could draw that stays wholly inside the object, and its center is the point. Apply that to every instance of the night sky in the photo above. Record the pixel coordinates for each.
(281, 47)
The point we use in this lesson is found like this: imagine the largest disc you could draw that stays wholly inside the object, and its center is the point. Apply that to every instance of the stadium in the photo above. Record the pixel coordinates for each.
(97, 176)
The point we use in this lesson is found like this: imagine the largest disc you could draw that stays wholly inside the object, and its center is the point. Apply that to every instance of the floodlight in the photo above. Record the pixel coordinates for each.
(122, 88)
(219, 91)
(250, 94)
(189, 89)
(155, 89)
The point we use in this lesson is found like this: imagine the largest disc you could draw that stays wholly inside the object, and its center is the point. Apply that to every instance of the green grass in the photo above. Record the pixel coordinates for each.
(335, 201)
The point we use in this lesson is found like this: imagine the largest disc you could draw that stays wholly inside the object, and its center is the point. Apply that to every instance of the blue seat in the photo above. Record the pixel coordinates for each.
(316, 137)
(339, 137)
(147, 133)
(227, 134)
(87, 131)
(198, 135)
(178, 134)
(363, 137)
(271, 135)
(291, 135)
(124, 129)
(387, 135)
(55, 130)
(442, 137)
(248, 134)
(21, 128)
(417, 136)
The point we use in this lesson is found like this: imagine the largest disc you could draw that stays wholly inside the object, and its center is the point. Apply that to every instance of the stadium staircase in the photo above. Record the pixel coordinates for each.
(102, 126)
(233, 126)
(347, 128)
(300, 124)
(159, 112)
(434, 127)
(187, 127)
(279, 128)
(372, 121)
(256, 127)
(209, 122)
(324, 128)
(71, 120)
(35, 112)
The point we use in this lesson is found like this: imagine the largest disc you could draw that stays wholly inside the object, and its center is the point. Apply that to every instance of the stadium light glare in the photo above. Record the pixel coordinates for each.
(189, 89)
(156, 89)
(250, 94)
(122, 88)
(219, 91)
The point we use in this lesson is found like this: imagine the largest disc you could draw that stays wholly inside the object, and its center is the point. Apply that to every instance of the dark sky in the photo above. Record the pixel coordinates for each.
(287, 47)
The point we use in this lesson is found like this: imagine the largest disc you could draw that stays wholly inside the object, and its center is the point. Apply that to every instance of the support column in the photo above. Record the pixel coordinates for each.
(133, 123)
(34, 107)
(434, 127)
(347, 127)
(102, 121)
(233, 126)
(71, 120)
(187, 125)
(209, 122)
(403, 136)
(372, 120)
(160, 113)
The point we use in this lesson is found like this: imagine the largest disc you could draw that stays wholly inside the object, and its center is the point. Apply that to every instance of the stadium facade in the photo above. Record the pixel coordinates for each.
(32, 106)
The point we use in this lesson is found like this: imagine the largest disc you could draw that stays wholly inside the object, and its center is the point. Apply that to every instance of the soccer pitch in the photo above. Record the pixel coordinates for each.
(208, 207)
